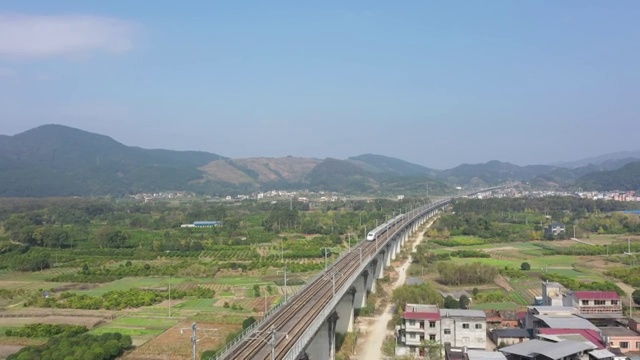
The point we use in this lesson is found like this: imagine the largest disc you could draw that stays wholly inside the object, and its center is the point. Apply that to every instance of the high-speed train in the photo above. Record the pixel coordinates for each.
(373, 234)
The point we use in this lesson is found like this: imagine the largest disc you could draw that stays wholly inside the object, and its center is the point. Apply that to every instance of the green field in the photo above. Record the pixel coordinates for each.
(134, 282)
(137, 327)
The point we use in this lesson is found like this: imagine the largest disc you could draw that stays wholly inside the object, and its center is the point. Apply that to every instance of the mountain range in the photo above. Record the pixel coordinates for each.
(56, 160)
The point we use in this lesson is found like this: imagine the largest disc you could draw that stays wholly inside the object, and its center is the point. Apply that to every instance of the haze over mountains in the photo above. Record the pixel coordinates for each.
(56, 160)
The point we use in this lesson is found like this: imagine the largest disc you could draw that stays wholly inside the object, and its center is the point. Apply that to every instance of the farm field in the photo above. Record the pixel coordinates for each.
(141, 329)
(175, 342)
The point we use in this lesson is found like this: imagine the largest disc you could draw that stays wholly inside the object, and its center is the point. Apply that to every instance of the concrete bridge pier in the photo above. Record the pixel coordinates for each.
(323, 344)
(387, 255)
(380, 268)
(360, 297)
(371, 279)
(344, 309)
(394, 249)
(405, 236)
(397, 246)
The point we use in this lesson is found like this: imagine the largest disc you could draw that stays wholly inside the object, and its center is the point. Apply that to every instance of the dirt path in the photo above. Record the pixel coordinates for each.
(503, 283)
(371, 343)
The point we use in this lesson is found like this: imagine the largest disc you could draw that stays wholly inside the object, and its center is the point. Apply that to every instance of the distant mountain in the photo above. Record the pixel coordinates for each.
(56, 160)
(384, 164)
(598, 160)
(625, 178)
(566, 177)
(491, 173)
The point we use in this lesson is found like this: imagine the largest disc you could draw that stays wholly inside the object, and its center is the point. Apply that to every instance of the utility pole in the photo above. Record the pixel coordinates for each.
(169, 295)
(360, 255)
(285, 281)
(349, 234)
(325, 259)
(194, 337)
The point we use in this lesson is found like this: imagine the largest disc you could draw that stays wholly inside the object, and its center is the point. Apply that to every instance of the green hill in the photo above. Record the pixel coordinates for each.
(384, 164)
(56, 160)
(625, 178)
(491, 173)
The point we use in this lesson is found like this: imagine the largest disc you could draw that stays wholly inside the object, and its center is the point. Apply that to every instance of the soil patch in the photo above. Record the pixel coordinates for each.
(6, 350)
(69, 287)
(503, 248)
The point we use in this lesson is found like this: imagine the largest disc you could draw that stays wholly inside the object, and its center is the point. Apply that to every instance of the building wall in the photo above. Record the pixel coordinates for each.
(469, 332)
(464, 332)
(591, 308)
(510, 341)
(416, 330)
(551, 295)
(632, 341)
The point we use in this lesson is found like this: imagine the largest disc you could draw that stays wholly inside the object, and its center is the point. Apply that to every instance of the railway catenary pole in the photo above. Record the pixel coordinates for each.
(272, 339)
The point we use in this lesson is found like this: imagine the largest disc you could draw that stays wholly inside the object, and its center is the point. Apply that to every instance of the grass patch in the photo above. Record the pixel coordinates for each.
(197, 304)
(137, 326)
(134, 282)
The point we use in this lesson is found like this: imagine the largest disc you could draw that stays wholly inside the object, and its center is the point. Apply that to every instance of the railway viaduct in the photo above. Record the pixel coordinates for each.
(305, 326)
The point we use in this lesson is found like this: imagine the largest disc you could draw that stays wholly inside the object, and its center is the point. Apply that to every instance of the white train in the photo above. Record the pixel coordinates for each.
(373, 234)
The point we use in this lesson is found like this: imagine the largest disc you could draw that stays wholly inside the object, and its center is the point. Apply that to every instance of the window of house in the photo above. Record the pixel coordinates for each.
(478, 326)
(637, 344)
(598, 302)
(614, 302)
(624, 344)
(465, 326)
(412, 322)
(432, 324)
(412, 336)
(447, 331)
(432, 337)
(584, 302)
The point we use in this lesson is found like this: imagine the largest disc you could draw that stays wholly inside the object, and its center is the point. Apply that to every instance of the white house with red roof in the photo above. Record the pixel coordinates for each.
(594, 302)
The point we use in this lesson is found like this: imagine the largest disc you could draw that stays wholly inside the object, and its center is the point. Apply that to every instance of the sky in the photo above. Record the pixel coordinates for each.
(434, 83)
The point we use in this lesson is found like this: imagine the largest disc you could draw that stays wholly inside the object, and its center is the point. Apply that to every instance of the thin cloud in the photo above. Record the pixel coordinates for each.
(6, 72)
(30, 36)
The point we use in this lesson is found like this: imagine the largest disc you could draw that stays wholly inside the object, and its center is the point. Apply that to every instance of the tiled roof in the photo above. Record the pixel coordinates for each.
(596, 295)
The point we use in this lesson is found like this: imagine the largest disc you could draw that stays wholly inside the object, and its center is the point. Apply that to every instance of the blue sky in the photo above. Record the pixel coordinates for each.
(435, 83)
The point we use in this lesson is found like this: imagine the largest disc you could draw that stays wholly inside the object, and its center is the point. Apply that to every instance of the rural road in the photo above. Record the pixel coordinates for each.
(378, 330)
